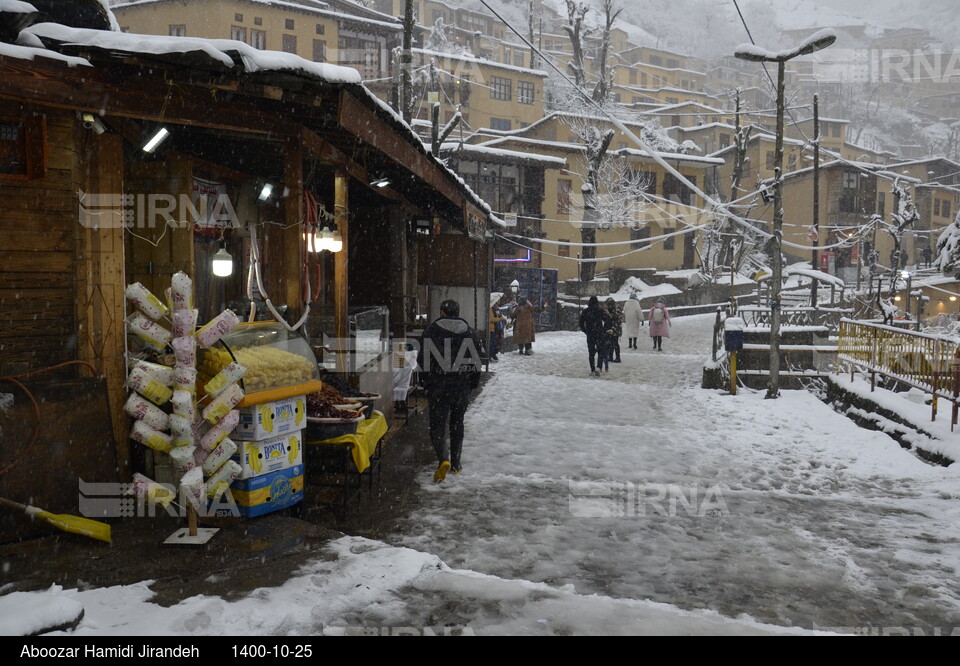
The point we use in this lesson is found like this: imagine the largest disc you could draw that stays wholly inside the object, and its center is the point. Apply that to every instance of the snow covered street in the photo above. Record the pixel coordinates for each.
(793, 515)
(634, 503)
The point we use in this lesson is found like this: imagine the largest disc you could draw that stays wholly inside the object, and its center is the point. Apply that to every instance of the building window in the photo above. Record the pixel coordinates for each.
(670, 243)
(288, 24)
(673, 63)
(936, 207)
(564, 196)
(677, 192)
(638, 235)
(290, 43)
(178, 30)
(656, 60)
(501, 88)
(360, 54)
(238, 18)
(673, 100)
(525, 92)
(945, 209)
(563, 250)
(320, 28)
(258, 39)
(633, 76)
(643, 79)
(238, 34)
(502, 124)
(518, 58)
(771, 160)
(835, 130)
(724, 140)
(257, 20)
(319, 50)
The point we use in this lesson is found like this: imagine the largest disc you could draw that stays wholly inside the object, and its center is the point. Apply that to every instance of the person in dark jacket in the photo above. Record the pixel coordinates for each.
(616, 329)
(450, 366)
(593, 322)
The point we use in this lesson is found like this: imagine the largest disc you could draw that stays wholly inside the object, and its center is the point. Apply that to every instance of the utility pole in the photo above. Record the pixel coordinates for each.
(816, 197)
(406, 63)
(815, 42)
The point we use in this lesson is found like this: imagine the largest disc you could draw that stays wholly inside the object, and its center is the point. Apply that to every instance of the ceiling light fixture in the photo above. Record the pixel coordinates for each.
(158, 137)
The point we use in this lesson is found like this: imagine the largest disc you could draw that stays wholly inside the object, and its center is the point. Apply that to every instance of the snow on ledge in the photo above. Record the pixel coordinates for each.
(27, 52)
(218, 50)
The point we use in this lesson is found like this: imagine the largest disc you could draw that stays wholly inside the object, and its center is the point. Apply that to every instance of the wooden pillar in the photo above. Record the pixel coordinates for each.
(398, 271)
(100, 284)
(341, 211)
(292, 234)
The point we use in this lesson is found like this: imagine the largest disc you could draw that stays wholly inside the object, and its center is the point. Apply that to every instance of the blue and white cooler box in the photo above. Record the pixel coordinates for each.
(268, 492)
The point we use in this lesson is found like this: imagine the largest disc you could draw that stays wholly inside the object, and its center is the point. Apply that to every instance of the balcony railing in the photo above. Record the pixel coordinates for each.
(930, 363)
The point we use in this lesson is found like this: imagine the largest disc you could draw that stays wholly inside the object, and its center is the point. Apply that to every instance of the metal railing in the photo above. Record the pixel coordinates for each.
(930, 363)
(759, 316)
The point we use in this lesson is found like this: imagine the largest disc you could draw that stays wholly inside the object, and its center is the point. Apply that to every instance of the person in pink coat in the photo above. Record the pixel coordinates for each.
(659, 319)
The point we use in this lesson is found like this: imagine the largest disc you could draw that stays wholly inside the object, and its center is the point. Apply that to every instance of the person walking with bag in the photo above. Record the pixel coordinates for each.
(593, 322)
(450, 366)
(632, 320)
(659, 324)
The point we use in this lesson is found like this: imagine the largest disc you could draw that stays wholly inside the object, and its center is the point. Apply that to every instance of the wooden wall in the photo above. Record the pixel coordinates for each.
(38, 228)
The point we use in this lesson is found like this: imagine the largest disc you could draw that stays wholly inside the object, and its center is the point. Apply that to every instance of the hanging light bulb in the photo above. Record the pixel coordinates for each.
(324, 239)
(336, 242)
(222, 262)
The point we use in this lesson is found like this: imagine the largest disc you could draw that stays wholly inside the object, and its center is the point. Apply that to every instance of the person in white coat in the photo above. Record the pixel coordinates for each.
(632, 320)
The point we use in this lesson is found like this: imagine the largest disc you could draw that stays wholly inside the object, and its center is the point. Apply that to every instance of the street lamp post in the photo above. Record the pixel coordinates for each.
(812, 44)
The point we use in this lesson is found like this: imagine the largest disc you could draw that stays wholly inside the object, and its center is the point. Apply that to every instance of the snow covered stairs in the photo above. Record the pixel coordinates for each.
(806, 352)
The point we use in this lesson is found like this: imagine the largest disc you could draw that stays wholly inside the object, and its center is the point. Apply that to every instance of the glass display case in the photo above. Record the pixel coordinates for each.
(279, 363)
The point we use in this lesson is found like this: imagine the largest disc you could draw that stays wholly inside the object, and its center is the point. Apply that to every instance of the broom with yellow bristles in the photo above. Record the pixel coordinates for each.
(84, 526)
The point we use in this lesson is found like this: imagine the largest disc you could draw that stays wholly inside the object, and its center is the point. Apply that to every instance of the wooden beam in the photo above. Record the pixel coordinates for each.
(341, 212)
(106, 90)
(293, 243)
(100, 284)
(369, 127)
(326, 151)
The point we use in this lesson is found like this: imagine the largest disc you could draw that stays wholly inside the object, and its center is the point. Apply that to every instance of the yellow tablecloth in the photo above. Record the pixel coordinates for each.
(364, 443)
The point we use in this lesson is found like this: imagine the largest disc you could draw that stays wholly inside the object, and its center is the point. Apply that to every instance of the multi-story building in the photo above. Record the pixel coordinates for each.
(486, 93)
(660, 233)
(321, 31)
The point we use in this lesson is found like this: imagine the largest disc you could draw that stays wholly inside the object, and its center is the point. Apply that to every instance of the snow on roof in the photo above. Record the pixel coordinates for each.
(16, 7)
(643, 290)
(481, 149)
(481, 61)
(939, 158)
(318, 8)
(670, 107)
(817, 275)
(672, 156)
(218, 50)
(30, 52)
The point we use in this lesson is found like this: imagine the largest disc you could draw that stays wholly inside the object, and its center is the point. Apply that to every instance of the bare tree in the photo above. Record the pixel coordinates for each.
(605, 80)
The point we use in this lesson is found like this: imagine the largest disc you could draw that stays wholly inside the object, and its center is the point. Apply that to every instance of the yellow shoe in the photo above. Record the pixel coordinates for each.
(441, 472)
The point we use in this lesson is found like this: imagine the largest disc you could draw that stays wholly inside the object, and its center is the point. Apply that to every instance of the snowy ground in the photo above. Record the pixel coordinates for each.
(632, 503)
